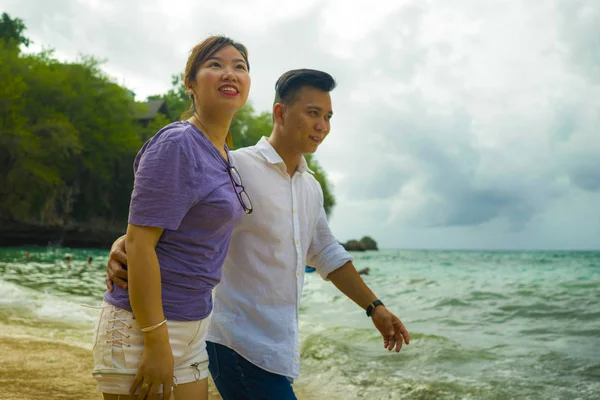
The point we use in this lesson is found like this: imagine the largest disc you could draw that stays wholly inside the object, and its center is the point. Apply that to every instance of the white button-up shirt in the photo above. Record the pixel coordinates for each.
(256, 304)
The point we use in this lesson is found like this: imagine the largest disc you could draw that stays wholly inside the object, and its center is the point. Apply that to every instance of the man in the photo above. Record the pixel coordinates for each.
(253, 337)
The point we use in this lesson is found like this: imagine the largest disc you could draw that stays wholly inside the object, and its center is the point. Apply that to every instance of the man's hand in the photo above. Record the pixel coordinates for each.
(390, 327)
(115, 273)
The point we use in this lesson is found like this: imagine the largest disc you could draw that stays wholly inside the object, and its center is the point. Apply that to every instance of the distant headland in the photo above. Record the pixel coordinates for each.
(366, 243)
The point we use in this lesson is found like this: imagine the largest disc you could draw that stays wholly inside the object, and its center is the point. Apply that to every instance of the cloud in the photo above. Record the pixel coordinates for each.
(457, 124)
(489, 125)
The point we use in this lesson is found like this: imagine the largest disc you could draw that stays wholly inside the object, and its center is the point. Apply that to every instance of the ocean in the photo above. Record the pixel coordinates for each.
(483, 325)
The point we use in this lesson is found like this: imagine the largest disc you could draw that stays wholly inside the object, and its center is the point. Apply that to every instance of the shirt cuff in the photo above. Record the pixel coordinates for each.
(331, 258)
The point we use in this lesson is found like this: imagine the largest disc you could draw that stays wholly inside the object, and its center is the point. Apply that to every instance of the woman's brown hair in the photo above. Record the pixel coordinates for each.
(199, 54)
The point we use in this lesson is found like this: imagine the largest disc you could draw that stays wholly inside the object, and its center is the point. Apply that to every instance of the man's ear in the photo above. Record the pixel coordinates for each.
(279, 113)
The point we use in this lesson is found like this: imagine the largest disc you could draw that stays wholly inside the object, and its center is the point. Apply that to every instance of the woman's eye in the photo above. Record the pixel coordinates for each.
(215, 64)
(241, 66)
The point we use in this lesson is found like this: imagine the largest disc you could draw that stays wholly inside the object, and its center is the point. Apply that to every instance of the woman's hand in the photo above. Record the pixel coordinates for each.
(156, 366)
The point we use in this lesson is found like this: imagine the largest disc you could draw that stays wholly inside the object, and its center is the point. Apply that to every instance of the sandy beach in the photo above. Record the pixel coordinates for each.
(41, 359)
(45, 359)
(37, 369)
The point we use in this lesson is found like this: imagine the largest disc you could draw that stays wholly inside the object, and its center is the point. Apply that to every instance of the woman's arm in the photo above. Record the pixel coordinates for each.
(156, 365)
(144, 274)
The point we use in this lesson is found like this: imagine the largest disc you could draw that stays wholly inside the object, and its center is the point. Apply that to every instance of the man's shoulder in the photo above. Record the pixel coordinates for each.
(245, 154)
(311, 180)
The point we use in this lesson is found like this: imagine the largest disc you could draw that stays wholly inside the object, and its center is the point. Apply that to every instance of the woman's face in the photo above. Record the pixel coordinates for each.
(222, 82)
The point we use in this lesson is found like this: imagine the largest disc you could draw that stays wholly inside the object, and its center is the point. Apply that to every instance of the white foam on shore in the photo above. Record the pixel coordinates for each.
(46, 306)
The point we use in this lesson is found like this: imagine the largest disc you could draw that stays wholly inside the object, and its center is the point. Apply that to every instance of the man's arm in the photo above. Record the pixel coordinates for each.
(349, 282)
(335, 264)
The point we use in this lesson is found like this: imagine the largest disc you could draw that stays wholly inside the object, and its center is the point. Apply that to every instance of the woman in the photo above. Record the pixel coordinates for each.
(186, 200)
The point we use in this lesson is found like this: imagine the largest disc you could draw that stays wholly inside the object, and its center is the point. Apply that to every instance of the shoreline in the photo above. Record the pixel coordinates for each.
(75, 236)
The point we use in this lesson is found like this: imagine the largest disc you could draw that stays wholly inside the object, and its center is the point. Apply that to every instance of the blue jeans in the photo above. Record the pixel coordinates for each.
(238, 379)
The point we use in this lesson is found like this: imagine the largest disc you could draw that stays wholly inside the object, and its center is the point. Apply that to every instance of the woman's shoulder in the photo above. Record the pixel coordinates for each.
(179, 131)
(177, 135)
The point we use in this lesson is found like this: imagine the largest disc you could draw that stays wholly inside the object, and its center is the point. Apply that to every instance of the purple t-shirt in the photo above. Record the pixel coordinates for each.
(182, 185)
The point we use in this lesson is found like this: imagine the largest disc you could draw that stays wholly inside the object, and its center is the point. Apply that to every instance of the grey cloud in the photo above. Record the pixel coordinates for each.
(383, 183)
(580, 29)
(586, 174)
(460, 183)
(450, 166)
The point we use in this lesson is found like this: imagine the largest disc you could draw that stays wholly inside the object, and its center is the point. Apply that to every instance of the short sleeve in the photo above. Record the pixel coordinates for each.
(162, 190)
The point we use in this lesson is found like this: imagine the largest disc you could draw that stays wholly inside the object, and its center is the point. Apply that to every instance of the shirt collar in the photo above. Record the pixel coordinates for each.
(272, 157)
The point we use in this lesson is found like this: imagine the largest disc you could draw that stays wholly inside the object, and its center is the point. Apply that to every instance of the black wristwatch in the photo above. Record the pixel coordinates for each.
(372, 306)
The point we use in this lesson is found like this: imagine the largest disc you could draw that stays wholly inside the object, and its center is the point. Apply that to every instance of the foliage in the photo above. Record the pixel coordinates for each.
(11, 31)
(69, 135)
(67, 140)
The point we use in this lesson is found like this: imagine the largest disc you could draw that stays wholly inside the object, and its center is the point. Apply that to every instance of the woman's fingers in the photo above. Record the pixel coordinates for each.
(136, 382)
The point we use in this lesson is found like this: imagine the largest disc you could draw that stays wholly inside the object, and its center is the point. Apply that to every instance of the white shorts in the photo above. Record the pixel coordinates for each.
(118, 346)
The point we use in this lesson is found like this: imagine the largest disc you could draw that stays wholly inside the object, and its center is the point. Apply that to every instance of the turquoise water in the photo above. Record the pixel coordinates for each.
(484, 325)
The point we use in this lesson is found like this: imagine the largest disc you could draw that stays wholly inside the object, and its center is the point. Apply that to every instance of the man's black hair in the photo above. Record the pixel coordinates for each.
(289, 84)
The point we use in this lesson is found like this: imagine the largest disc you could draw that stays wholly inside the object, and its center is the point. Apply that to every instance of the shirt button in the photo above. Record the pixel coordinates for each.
(297, 241)
(294, 211)
(295, 358)
(297, 273)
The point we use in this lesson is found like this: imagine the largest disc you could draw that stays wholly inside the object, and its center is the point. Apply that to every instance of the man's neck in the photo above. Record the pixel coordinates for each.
(288, 154)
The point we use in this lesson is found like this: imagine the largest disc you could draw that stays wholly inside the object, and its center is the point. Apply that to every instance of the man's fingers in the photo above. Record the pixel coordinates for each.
(117, 274)
(403, 331)
(109, 284)
(392, 342)
(398, 341)
(118, 255)
(121, 283)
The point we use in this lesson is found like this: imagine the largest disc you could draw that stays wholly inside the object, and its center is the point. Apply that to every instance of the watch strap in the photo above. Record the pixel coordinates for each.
(372, 306)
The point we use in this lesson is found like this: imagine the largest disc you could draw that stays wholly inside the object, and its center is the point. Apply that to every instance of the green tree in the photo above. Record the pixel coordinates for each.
(177, 98)
(11, 31)
(67, 140)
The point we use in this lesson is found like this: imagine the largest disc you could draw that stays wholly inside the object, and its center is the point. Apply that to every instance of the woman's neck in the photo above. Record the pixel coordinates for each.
(215, 129)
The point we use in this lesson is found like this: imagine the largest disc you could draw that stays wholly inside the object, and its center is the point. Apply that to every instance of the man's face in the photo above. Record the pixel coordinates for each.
(307, 119)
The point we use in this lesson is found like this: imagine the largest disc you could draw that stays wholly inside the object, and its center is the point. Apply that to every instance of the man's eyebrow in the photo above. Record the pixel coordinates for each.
(310, 106)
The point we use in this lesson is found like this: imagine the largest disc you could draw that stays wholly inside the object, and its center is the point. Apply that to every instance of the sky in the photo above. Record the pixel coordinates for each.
(459, 124)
